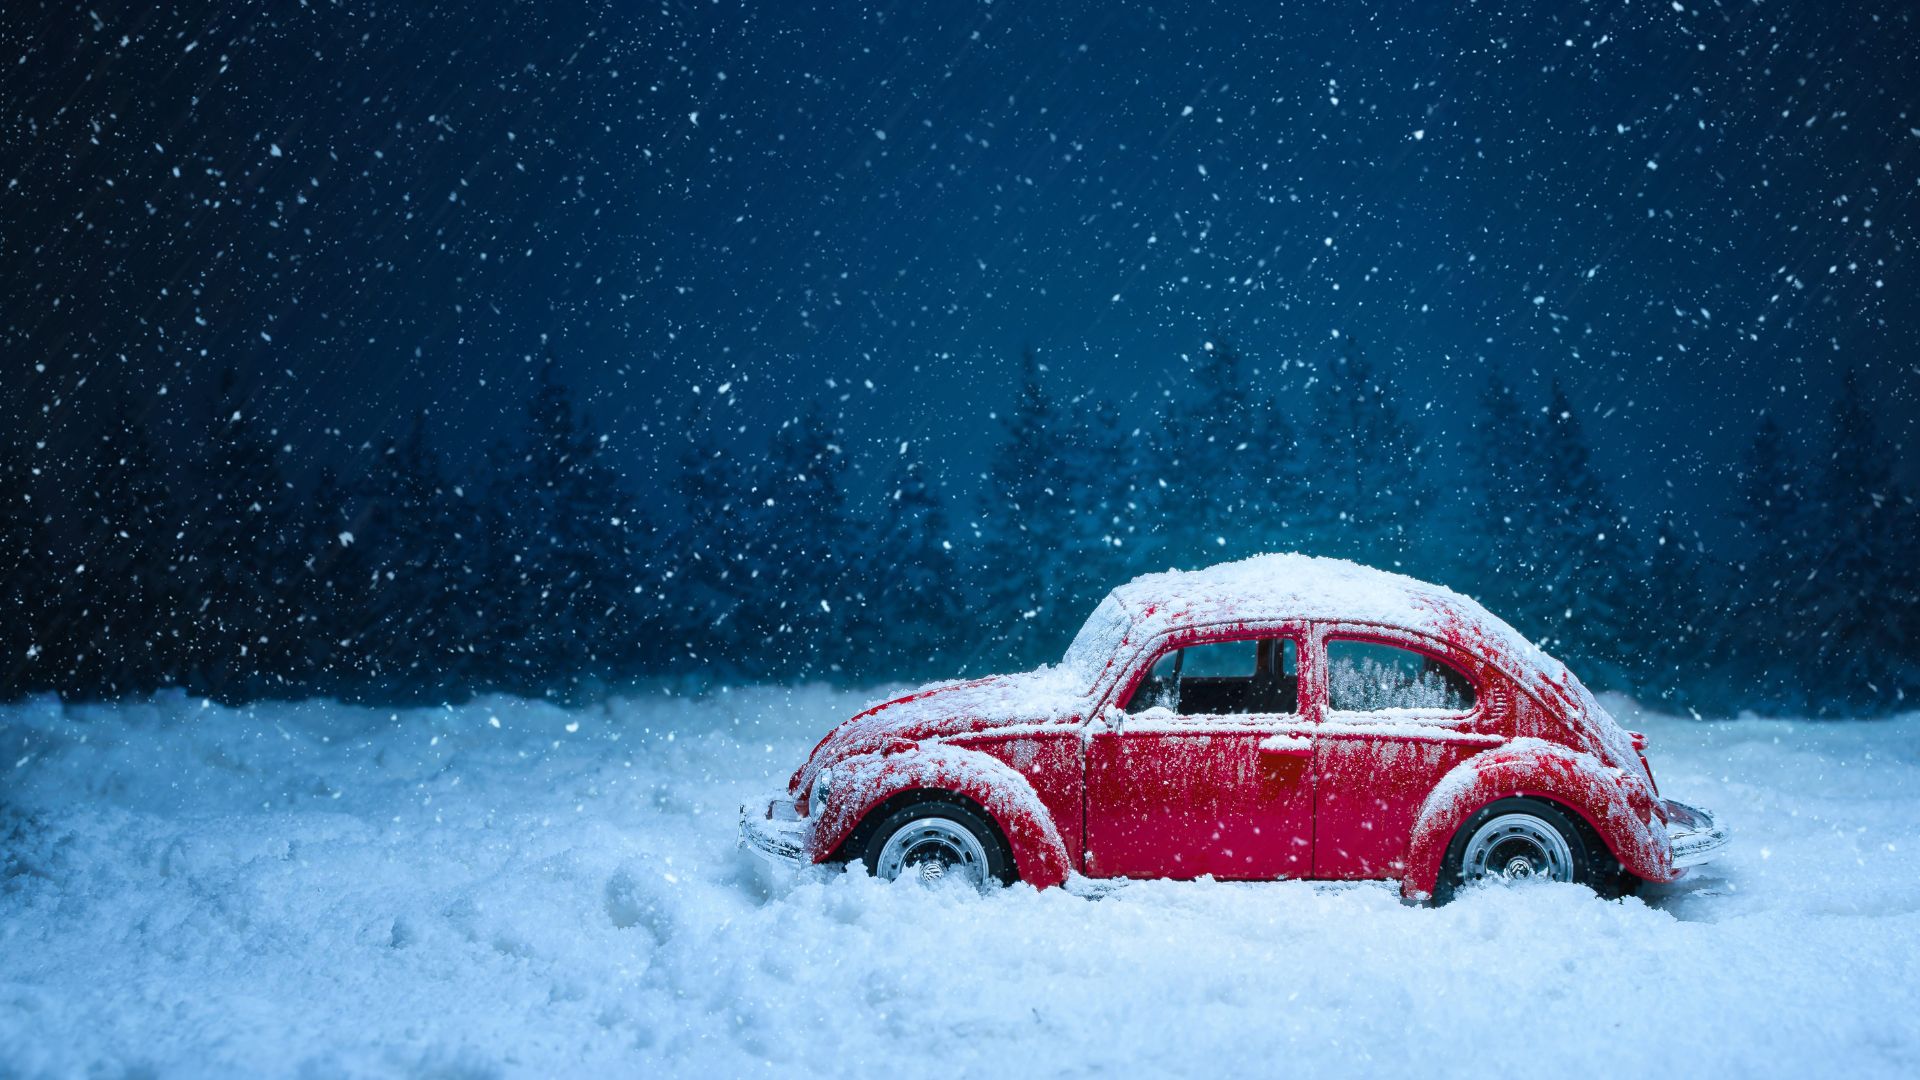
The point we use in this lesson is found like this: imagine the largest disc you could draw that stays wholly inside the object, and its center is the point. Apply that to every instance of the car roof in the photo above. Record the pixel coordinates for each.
(1286, 586)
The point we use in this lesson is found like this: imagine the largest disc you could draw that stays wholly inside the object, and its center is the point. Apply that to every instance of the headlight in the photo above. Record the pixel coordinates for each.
(822, 787)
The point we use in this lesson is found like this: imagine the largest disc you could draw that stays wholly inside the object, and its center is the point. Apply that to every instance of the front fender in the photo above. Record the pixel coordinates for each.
(1618, 805)
(864, 781)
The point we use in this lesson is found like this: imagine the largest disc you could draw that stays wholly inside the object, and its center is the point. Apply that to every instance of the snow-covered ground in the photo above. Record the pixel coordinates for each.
(315, 890)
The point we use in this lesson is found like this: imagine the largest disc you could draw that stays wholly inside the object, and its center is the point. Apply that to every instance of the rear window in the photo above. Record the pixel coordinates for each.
(1365, 676)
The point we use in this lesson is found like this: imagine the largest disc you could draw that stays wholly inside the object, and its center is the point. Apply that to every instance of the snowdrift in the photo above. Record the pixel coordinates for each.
(512, 889)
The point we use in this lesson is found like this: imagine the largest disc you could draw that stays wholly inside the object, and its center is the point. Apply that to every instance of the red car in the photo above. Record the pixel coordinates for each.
(1280, 717)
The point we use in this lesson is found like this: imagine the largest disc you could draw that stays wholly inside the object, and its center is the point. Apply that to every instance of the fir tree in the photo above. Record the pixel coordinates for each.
(797, 570)
(369, 563)
(127, 598)
(1575, 600)
(428, 574)
(19, 651)
(1024, 527)
(1902, 661)
(1765, 624)
(1855, 587)
(569, 575)
(466, 607)
(1498, 502)
(1373, 497)
(1671, 629)
(326, 577)
(1233, 481)
(715, 489)
(1203, 446)
(404, 598)
(234, 523)
(1100, 489)
(911, 605)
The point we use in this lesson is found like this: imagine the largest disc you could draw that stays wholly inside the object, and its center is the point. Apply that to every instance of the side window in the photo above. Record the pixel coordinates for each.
(1160, 688)
(1223, 678)
(1363, 676)
(1220, 660)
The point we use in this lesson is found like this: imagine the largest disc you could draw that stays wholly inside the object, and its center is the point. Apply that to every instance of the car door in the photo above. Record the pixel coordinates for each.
(1397, 711)
(1205, 767)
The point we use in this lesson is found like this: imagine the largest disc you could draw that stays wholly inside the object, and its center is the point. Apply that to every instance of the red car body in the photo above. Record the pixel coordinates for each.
(1079, 780)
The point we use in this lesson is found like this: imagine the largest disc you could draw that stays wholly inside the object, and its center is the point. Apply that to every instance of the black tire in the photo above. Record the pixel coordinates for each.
(997, 858)
(1591, 863)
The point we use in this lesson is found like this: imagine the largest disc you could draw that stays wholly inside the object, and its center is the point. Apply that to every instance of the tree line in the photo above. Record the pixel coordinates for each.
(547, 571)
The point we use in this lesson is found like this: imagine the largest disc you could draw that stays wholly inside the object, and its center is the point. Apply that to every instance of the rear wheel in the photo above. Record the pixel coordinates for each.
(1520, 839)
(936, 839)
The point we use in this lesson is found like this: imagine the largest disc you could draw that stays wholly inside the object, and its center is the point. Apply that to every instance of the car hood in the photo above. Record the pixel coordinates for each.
(1044, 696)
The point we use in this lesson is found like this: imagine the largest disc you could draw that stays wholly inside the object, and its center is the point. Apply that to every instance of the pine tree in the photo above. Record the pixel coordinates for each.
(1576, 595)
(326, 579)
(233, 544)
(570, 578)
(1671, 628)
(1498, 504)
(404, 600)
(1373, 496)
(429, 517)
(1024, 528)
(466, 608)
(798, 569)
(1128, 519)
(19, 651)
(715, 490)
(367, 566)
(1852, 597)
(1902, 660)
(126, 540)
(1203, 453)
(911, 606)
(1101, 493)
(34, 560)
(1232, 481)
(1765, 625)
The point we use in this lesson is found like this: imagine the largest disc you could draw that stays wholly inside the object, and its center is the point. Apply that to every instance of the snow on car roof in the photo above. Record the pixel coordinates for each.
(1282, 586)
(1286, 585)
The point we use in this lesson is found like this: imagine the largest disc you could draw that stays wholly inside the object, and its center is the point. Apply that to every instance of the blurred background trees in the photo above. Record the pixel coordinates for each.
(202, 559)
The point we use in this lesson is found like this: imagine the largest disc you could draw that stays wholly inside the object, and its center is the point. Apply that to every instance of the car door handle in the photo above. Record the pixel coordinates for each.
(1287, 746)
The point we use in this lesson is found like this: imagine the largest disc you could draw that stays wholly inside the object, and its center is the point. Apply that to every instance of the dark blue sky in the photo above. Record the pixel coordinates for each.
(1690, 213)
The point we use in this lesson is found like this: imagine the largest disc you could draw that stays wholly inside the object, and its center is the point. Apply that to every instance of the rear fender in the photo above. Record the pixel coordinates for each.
(863, 782)
(1616, 804)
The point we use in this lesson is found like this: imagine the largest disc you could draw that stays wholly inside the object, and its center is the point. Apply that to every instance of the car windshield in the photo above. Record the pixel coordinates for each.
(1093, 647)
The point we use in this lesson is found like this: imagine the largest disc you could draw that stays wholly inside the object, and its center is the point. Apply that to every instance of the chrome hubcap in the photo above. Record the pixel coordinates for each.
(1514, 847)
(932, 849)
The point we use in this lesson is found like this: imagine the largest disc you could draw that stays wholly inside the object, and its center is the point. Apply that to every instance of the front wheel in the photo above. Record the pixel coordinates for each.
(936, 840)
(1520, 839)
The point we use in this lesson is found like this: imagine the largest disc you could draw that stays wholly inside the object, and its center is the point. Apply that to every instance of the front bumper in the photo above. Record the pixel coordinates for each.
(1696, 836)
(771, 830)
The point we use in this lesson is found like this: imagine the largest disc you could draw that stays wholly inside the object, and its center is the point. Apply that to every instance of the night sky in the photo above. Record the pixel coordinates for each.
(1690, 213)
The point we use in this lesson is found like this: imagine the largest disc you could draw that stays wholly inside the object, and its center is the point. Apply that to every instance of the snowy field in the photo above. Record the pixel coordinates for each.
(312, 890)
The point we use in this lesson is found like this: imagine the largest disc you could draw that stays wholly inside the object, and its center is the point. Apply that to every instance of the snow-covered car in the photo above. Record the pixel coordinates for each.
(1280, 717)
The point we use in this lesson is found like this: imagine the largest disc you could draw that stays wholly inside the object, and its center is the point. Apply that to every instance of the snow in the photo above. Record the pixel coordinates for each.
(1097, 644)
(1287, 742)
(1045, 696)
(1424, 725)
(864, 779)
(1274, 587)
(1281, 586)
(311, 889)
(1600, 789)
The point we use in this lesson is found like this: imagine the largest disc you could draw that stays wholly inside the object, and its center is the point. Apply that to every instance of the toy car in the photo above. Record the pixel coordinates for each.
(1280, 717)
